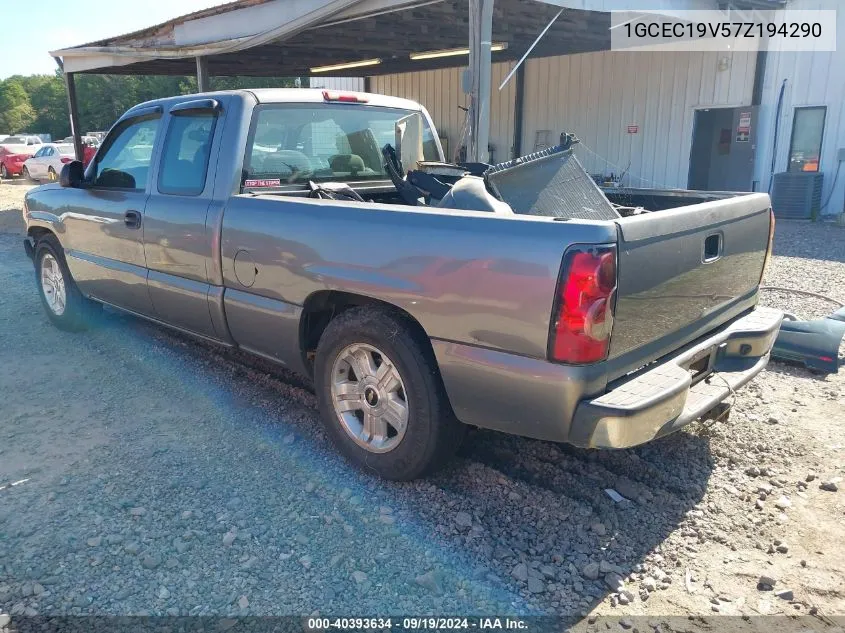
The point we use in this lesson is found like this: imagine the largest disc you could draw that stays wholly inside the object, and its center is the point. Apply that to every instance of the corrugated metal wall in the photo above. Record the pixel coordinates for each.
(812, 79)
(598, 95)
(440, 91)
(337, 83)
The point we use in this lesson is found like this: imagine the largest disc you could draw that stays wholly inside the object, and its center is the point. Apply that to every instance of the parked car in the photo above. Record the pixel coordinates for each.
(89, 147)
(47, 162)
(14, 151)
(413, 321)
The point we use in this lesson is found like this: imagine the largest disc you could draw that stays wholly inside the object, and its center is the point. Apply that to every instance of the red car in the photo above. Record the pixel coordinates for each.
(14, 150)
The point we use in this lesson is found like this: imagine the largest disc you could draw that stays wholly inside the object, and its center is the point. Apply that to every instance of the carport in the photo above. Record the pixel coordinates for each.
(350, 38)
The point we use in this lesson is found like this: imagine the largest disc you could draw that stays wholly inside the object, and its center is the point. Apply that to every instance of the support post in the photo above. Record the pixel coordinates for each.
(73, 110)
(518, 111)
(480, 69)
(203, 83)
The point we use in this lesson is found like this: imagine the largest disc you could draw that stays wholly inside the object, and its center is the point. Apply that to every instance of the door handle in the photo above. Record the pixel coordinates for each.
(132, 219)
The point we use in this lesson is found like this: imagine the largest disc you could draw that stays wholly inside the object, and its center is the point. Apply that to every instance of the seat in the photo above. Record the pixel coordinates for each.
(347, 164)
(470, 194)
(287, 163)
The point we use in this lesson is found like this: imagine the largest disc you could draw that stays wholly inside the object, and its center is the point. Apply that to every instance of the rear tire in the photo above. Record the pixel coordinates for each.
(65, 305)
(4, 173)
(381, 397)
(51, 175)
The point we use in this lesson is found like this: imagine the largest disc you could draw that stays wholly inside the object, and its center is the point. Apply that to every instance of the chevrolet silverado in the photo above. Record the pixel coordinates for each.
(268, 220)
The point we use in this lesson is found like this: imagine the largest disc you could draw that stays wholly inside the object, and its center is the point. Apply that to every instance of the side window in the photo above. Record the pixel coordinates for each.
(39, 153)
(49, 151)
(125, 163)
(187, 147)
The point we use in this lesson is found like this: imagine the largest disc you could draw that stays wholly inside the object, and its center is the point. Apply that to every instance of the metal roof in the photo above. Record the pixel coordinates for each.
(288, 37)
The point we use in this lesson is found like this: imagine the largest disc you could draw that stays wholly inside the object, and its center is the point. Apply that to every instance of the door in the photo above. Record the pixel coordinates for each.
(35, 165)
(177, 240)
(723, 147)
(105, 218)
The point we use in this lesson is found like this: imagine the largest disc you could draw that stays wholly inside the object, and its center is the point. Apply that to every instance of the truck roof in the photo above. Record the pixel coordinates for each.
(292, 95)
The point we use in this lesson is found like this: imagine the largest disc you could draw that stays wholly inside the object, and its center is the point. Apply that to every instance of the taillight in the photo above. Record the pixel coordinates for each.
(65, 159)
(770, 245)
(343, 97)
(583, 316)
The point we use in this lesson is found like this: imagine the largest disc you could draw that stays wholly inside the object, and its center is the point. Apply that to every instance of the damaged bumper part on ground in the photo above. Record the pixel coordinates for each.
(666, 397)
(815, 344)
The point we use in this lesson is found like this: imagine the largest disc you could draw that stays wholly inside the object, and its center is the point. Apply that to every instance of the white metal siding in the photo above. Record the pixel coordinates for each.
(597, 95)
(812, 79)
(441, 92)
(355, 84)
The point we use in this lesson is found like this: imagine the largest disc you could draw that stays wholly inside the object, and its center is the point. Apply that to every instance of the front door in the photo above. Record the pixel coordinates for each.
(104, 218)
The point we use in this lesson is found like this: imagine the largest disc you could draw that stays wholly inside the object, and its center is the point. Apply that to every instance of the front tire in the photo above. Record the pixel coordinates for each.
(381, 397)
(65, 305)
(25, 175)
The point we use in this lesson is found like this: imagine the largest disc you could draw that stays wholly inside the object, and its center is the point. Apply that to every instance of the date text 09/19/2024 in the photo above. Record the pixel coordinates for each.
(414, 623)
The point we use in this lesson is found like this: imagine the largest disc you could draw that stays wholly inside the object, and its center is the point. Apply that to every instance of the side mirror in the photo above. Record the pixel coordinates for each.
(72, 174)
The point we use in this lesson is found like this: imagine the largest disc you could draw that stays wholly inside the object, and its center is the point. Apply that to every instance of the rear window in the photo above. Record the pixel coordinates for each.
(66, 150)
(295, 143)
(14, 140)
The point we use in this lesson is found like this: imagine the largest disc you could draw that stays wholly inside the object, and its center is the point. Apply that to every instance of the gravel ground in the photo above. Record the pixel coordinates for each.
(144, 473)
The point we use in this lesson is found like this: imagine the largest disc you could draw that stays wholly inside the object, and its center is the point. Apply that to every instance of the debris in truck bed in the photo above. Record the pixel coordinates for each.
(550, 183)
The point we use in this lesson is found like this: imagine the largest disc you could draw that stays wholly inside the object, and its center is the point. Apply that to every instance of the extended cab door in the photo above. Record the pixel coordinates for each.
(104, 218)
(178, 234)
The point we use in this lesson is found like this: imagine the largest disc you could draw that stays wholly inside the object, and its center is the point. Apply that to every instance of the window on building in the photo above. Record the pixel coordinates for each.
(805, 146)
(187, 148)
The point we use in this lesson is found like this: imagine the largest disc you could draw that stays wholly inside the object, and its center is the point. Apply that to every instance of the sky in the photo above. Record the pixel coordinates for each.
(31, 29)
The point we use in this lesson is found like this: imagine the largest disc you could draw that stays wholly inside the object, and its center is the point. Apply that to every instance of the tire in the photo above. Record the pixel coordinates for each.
(71, 311)
(431, 432)
(51, 175)
(25, 174)
(4, 173)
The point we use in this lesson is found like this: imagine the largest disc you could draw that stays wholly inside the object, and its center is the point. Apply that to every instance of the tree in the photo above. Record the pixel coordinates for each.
(16, 112)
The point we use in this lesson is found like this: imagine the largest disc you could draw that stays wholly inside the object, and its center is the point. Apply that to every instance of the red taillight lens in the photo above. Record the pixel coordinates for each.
(66, 159)
(343, 97)
(583, 315)
(770, 245)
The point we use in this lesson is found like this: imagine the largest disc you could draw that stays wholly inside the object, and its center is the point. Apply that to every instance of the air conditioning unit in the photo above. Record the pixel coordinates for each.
(797, 194)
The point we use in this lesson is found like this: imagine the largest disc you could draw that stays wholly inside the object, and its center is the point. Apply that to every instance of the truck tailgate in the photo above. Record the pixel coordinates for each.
(683, 272)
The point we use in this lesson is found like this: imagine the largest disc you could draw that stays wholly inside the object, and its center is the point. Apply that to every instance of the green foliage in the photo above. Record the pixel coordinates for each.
(38, 103)
(16, 112)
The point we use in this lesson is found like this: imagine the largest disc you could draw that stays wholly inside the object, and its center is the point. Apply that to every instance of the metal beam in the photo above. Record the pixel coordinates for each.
(203, 79)
(518, 111)
(480, 70)
(73, 110)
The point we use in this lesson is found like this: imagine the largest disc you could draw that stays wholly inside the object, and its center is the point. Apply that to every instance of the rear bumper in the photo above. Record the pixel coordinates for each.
(663, 398)
(549, 401)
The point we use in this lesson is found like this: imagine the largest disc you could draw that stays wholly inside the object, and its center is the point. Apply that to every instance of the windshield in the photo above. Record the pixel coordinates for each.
(295, 143)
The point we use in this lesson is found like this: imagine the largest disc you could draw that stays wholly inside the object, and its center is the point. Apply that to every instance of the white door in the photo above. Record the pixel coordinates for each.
(35, 165)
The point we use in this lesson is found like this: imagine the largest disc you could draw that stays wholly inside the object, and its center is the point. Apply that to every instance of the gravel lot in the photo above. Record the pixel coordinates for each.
(144, 473)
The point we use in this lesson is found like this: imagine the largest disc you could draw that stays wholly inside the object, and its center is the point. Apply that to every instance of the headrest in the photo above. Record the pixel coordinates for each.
(351, 163)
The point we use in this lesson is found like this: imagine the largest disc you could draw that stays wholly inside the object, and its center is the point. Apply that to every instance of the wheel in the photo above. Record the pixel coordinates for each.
(381, 397)
(25, 174)
(66, 307)
(4, 173)
(51, 175)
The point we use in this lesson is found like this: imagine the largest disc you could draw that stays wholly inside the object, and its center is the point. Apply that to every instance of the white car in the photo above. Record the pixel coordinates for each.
(47, 162)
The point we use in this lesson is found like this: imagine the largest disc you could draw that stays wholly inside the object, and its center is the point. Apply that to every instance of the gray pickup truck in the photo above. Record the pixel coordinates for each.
(219, 215)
